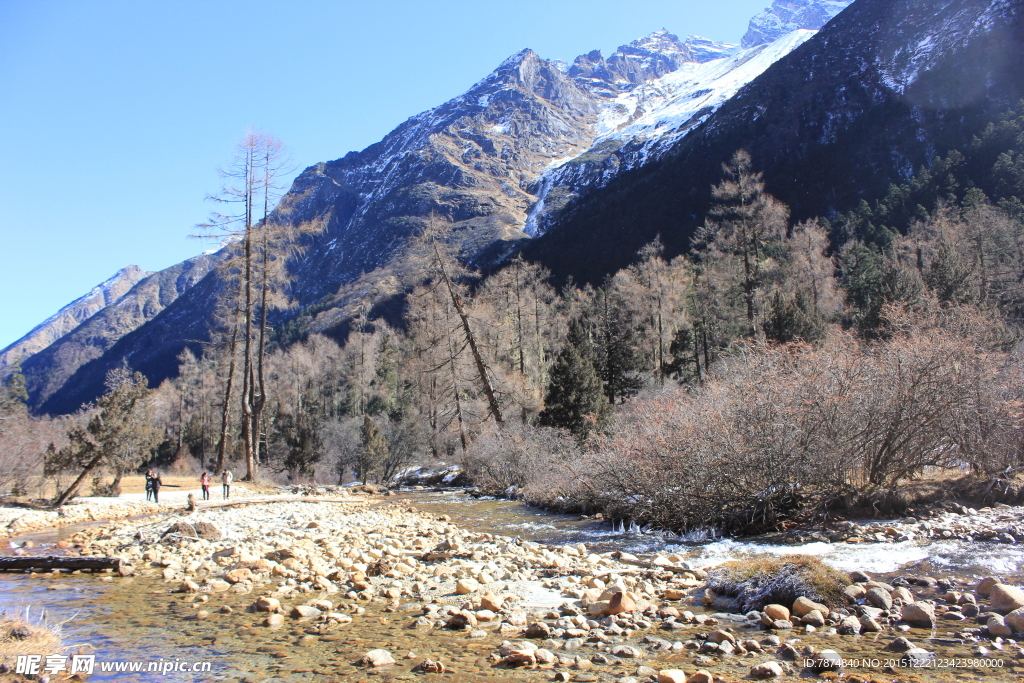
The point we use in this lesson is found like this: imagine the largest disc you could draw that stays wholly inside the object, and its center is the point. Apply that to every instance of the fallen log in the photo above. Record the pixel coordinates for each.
(22, 564)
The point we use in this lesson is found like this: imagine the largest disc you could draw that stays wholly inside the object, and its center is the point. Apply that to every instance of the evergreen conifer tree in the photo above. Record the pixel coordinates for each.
(575, 399)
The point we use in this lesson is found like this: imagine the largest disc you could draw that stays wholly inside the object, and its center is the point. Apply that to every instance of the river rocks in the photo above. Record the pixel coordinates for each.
(701, 676)
(917, 657)
(1015, 620)
(538, 629)
(813, 618)
(854, 592)
(920, 614)
(766, 670)
(826, 660)
(491, 601)
(803, 605)
(376, 658)
(899, 645)
(304, 612)
(203, 530)
(627, 652)
(1005, 598)
(526, 655)
(870, 624)
(849, 626)
(902, 594)
(620, 603)
(238, 575)
(188, 586)
(461, 620)
(858, 576)
(879, 597)
(544, 593)
(984, 587)
(671, 676)
(267, 604)
(997, 626)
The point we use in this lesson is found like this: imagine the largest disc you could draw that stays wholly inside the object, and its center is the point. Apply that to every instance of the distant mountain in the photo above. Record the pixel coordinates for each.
(47, 371)
(880, 91)
(71, 316)
(495, 163)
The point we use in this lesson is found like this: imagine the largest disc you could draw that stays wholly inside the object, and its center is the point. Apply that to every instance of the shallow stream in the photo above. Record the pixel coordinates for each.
(139, 619)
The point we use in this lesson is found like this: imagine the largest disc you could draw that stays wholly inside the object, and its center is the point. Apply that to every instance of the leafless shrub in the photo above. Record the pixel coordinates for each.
(518, 456)
(784, 428)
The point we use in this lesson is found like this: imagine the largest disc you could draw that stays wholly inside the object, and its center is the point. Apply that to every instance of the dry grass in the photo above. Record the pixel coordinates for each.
(137, 483)
(20, 637)
(757, 582)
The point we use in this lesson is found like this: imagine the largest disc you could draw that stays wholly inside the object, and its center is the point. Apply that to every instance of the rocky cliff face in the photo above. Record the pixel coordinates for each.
(71, 316)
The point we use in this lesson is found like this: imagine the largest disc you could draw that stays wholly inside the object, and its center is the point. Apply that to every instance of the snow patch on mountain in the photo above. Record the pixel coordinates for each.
(644, 122)
(653, 110)
(790, 15)
(902, 66)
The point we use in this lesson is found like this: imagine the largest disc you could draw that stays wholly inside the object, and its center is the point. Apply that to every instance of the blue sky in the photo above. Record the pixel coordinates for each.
(115, 115)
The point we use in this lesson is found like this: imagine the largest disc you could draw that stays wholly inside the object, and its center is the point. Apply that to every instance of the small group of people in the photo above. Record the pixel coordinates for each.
(226, 477)
(153, 484)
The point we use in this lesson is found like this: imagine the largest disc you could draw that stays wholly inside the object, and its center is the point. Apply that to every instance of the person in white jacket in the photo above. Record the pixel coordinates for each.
(226, 478)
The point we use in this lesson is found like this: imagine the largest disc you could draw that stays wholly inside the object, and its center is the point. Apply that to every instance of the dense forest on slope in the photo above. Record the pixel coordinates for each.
(767, 372)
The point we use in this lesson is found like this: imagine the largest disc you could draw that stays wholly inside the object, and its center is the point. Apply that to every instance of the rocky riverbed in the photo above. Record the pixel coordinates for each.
(285, 590)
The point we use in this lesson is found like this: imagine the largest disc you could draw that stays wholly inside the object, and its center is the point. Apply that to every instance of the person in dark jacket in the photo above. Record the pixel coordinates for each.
(149, 484)
(156, 487)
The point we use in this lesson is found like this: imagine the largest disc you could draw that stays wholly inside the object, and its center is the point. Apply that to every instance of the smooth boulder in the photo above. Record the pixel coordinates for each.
(920, 614)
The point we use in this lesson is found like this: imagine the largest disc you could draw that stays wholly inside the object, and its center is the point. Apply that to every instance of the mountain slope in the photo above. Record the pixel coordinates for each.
(881, 90)
(790, 15)
(479, 162)
(47, 371)
(71, 316)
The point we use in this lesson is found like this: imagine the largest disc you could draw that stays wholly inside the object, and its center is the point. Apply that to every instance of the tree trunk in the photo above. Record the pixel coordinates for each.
(222, 444)
(64, 497)
(455, 389)
(8, 564)
(481, 369)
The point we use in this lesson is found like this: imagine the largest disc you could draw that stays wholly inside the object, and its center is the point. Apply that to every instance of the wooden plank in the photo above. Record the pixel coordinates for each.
(21, 564)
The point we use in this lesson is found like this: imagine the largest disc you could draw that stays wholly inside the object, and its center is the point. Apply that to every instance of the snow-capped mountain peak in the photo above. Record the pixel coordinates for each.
(790, 15)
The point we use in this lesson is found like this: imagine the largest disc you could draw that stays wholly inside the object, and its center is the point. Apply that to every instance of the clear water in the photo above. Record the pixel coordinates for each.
(137, 619)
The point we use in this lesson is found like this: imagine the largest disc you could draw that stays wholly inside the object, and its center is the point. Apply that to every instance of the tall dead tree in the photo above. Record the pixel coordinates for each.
(481, 369)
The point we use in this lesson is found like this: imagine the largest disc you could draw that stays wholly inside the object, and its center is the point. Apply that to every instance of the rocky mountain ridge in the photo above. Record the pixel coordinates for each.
(477, 162)
(784, 16)
(71, 316)
(49, 369)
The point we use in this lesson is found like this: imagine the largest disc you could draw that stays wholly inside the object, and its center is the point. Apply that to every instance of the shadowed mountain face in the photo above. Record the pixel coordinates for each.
(880, 91)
